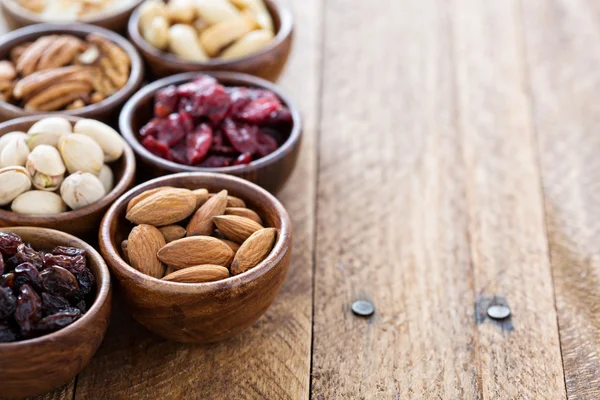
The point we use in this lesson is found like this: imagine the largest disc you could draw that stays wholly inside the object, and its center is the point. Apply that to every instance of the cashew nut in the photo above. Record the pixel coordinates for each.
(248, 44)
(183, 42)
(224, 33)
(157, 34)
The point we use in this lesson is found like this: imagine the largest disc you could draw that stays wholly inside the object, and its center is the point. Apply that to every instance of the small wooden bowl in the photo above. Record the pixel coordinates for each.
(200, 312)
(36, 366)
(102, 110)
(18, 17)
(267, 63)
(269, 172)
(81, 222)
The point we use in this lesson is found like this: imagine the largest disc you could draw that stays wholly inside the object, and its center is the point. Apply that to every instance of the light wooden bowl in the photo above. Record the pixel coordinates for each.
(36, 366)
(270, 172)
(267, 63)
(203, 312)
(18, 17)
(103, 110)
(81, 222)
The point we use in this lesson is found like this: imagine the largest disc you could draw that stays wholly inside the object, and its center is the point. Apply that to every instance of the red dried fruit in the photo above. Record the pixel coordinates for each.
(152, 128)
(166, 101)
(243, 158)
(173, 131)
(28, 311)
(8, 302)
(59, 281)
(241, 136)
(216, 162)
(259, 110)
(9, 243)
(198, 143)
(156, 147)
(210, 101)
(280, 116)
(265, 144)
(178, 153)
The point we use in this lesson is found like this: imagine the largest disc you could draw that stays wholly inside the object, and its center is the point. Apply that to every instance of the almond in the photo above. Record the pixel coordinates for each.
(232, 201)
(145, 194)
(202, 221)
(198, 274)
(244, 212)
(255, 249)
(195, 250)
(235, 228)
(172, 232)
(233, 246)
(165, 207)
(201, 197)
(142, 245)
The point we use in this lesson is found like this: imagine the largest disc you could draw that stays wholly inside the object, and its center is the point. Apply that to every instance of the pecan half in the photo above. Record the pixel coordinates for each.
(28, 61)
(60, 52)
(17, 51)
(58, 96)
(7, 71)
(116, 63)
(40, 79)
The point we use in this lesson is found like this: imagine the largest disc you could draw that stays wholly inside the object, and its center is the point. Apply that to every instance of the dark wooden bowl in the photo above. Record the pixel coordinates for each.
(267, 63)
(18, 17)
(269, 172)
(202, 312)
(36, 366)
(81, 222)
(102, 110)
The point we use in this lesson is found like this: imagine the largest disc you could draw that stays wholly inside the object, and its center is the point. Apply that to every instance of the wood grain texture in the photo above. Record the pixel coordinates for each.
(563, 58)
(272, 358)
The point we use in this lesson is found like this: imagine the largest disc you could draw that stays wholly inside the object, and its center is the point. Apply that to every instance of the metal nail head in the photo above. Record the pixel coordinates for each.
(498, 312)
(363, 308)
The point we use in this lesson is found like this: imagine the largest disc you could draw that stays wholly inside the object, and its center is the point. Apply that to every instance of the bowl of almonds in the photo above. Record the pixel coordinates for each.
(61, 172)
(199, 257)
(76, 69)
(250, 36)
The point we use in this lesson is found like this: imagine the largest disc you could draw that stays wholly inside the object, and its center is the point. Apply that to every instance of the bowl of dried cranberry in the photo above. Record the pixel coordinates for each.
(54, 308)
(223, 122)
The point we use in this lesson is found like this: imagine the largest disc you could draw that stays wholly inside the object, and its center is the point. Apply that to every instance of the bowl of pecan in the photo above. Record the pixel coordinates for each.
(76, 69)
(223, 122)
(199, 256)
(61, 172)
(249, 36)
(54, 308)
(109, 14)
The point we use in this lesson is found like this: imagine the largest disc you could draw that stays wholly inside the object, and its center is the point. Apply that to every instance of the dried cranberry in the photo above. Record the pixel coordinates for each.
(240, 97)
(166, 101)
(29, 310)
(9, 243)
(241, 136)
(173, 131)
(52, 304)
(68, 251)
(279, 116)
(152, 128)
(8, 302)
(188, 90)
(178, 153)
(26, 273)
(25, 254)
(8, 333)
(57, 321)
(266, 144)
(74, 265)
(210, 101)
(198, 143)
(259, 110)
(59, 281)
(155, 147)
(243, 158)
(216, 162)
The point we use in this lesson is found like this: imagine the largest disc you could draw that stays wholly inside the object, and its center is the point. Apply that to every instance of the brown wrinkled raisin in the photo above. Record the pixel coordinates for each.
(52, 304)
(59, 281)
(68, 251)
(82, 306)
(25, 254)
(8, 333)
(7, 280)
(26, 273)
(9, 243)
(58, 321)
(8, 302)
(74, 265)
(28, 311)
(86, 283)
(10, 263)
(1, 264)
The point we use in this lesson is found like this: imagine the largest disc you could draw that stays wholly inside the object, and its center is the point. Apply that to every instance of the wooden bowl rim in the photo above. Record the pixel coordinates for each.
(102, 286)
(113, 257)
(33, 18)
(276, 7)
(118, 189)
(136, 74)
(227, 78)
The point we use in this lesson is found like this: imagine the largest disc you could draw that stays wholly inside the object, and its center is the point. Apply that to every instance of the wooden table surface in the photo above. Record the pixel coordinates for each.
(451, 156)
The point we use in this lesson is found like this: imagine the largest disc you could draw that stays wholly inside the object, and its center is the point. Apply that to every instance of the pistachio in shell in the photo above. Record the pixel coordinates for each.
(38, 202)
(15, 153)
(107, 178)
(46, 167)
(81, 153)
(109, 140)
(51, 124)
(4, 139)
(81, 189)
(48, 138)
(13, 181)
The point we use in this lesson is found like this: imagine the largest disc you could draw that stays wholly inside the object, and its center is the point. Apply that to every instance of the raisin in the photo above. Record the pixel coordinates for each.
(166, 101)
(156, 147)
(8, 302)
(74, 265)
(8, 333)
(259, 110)
(52, 304)
(25, 254)
(1, 264)
(241, 136)
(57, 321)
(26, 273)
(7, 280)
(58, 281)
(216, 162)
(11, 263)
(9, 242)
(68, 251)
(28, 311)
(86, 283)
(81, 306)
(198, 143)
(243, 159)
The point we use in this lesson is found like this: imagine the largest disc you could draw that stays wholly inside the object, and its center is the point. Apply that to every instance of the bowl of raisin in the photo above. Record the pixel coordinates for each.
(224, 122)
(54, 308)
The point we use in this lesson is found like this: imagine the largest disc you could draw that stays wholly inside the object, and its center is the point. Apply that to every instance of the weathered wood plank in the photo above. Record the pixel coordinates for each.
(520, 359)
(562, 39)
(392, 213)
